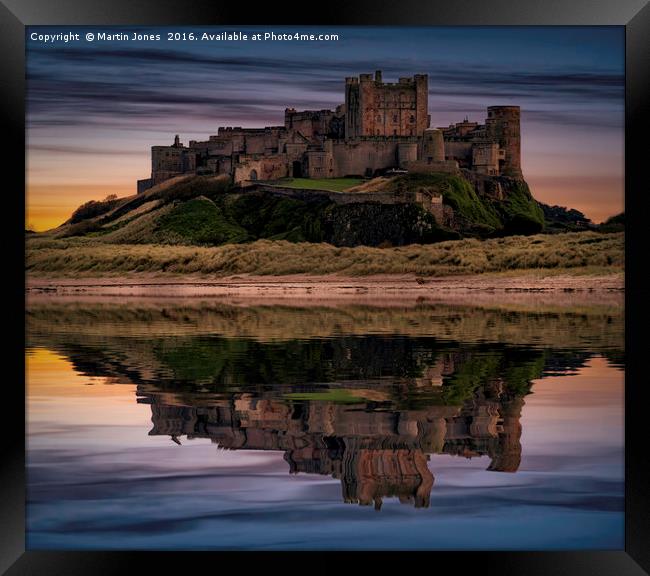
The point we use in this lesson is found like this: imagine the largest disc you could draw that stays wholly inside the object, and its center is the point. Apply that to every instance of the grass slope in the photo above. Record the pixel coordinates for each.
(198, 221)
(469, 256)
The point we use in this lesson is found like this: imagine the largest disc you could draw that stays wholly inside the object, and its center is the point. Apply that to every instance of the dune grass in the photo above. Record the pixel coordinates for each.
(575, 250)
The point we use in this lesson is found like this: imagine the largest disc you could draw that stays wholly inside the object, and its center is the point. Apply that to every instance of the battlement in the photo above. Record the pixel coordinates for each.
(378, 79)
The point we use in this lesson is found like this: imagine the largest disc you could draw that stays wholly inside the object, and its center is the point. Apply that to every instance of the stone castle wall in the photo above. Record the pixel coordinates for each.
(250, 170)
(363, 157)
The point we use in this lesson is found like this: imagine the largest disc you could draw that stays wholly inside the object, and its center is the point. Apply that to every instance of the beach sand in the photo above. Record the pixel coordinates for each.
(302, 289)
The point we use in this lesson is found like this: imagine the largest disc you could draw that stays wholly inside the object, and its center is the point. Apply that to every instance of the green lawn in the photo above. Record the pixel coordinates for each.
(334, 184)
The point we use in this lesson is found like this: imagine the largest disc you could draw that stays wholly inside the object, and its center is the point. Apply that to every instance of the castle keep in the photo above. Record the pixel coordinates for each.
(381, 125)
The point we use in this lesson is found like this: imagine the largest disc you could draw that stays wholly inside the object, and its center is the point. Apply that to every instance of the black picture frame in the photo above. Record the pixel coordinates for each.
(633, 14)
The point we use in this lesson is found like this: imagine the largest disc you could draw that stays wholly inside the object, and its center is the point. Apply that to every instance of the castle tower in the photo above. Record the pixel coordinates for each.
(503, 126)
(386, 109)
(433, 146)
(423, 119)
(352, 111)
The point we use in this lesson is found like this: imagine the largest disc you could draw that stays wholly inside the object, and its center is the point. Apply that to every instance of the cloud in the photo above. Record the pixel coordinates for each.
(76, 86)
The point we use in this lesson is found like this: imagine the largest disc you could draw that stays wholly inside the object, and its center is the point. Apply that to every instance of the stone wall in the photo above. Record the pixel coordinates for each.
(310, 123)
(319, 164)
(425, 167)
(144, 184)
(249, 170)
(363, 157)
(406, 152)
(485, 157)
(170, 161)
(460, 151)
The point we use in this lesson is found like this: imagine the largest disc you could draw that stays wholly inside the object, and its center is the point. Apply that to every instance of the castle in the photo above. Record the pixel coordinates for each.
(380, 126)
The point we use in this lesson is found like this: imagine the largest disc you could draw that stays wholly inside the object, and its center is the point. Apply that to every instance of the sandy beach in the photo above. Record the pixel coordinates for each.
(294, 289)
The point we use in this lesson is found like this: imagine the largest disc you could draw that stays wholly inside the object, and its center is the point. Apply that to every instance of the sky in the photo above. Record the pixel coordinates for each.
(94, 109)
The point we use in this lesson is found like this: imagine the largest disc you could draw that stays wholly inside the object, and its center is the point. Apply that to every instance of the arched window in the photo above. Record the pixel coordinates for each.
(253, 175)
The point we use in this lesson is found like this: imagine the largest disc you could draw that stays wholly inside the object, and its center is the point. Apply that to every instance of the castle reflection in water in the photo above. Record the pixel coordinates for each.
(366, 398)
(376, 451)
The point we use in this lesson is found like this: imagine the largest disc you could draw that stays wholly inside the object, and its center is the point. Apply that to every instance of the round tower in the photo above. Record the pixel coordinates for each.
(503, 126)
(433, 146)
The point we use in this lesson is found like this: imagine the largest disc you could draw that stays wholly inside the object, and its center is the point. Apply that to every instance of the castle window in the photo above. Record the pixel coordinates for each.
(394, 117)
(394, 132)
(412, 118)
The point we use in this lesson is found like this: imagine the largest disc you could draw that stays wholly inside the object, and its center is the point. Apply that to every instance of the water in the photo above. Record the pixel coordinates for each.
(178, 424)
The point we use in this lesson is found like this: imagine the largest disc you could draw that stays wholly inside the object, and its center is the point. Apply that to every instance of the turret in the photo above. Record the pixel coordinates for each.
(503, 126)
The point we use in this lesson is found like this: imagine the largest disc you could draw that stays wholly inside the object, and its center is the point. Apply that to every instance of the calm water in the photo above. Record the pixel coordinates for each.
(203, 425)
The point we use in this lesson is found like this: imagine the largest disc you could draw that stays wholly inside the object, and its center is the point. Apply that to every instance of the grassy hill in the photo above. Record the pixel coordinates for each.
(203, 225)
(208, 211)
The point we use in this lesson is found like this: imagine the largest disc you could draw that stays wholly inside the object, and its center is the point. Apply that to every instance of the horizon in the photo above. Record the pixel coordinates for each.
(90, 126)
